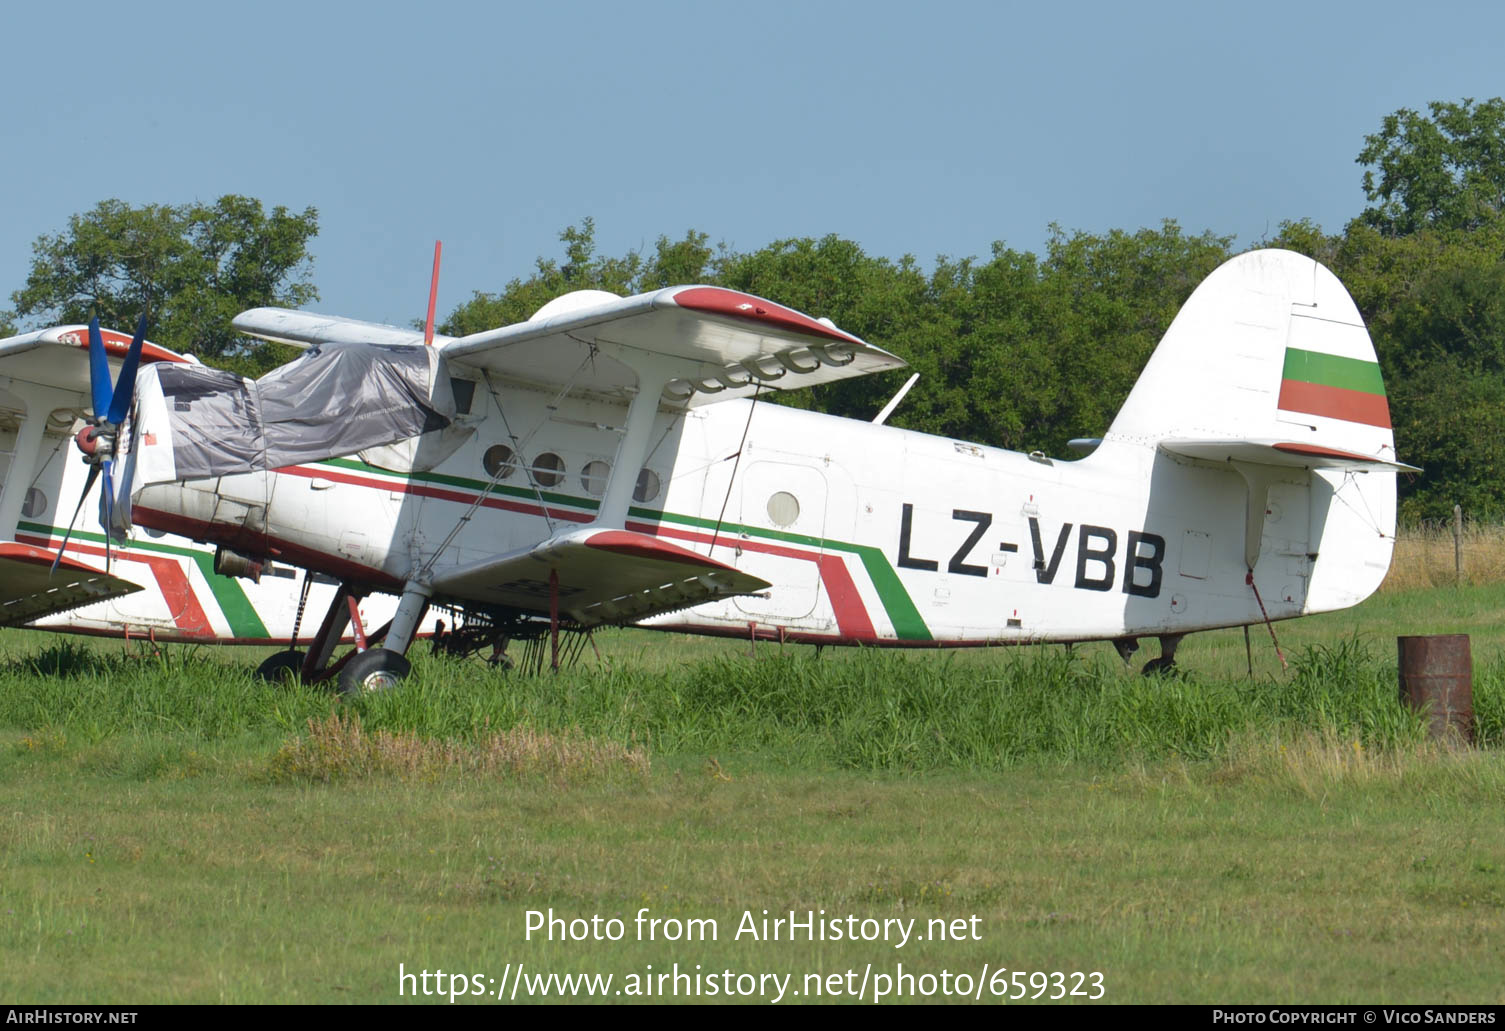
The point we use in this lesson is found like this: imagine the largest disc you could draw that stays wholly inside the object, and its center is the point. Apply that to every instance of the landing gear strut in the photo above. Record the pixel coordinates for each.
(381, 669)
(366, 669)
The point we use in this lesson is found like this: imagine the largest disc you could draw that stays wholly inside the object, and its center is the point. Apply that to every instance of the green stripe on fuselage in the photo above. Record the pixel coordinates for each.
(242, 616)
(909, 625)
(444, 479)
(902, 613)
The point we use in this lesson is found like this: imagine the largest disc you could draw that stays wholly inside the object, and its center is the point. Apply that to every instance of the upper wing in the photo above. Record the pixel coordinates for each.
(305, 329)
(59, 357)
(719, 343)
(29, 589)
(605, 576)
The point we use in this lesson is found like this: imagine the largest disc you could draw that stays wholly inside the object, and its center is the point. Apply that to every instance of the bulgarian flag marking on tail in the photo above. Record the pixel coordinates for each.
(1337, 388)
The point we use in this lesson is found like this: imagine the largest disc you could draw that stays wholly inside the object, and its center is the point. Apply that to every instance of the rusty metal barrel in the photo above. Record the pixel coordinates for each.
(1437, 680)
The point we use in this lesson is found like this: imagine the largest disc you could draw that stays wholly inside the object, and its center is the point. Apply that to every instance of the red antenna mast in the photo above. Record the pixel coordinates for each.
(428, 326)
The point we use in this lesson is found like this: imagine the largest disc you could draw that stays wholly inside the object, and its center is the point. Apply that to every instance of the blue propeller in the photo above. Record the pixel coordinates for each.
(99, 440)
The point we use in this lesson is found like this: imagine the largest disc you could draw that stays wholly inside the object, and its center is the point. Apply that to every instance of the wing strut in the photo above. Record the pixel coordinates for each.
(23, 466)
(654, 373)
(888, 409)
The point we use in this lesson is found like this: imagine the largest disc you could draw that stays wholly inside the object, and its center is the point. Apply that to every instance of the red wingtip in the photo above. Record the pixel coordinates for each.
(428, 326)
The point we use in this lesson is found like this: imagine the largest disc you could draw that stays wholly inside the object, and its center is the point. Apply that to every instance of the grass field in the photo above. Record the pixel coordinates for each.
(172, 831)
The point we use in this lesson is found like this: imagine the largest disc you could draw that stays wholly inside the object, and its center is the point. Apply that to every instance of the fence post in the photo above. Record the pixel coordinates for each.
(1458, 545)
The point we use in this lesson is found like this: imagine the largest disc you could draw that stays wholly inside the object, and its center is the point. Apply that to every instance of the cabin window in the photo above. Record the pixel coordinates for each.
(593, 478)
(499, 461)
(647, 487)
(783, 509)
(548, 469)
(34, 504)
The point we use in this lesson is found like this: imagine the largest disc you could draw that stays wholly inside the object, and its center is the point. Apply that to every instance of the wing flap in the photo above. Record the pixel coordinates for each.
(1280, 453)
(605, 576)
(29, 589)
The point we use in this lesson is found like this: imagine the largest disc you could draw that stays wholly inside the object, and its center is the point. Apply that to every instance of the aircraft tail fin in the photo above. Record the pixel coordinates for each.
(1270, 346)
(1268, 368)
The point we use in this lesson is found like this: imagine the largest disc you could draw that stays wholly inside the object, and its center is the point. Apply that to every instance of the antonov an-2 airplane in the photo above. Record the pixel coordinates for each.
(614, 461)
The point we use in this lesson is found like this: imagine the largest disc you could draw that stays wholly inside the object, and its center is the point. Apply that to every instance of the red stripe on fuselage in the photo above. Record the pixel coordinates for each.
(295, 554)
(851, 614)
(187, 614)
(852, 619)
(428, 491)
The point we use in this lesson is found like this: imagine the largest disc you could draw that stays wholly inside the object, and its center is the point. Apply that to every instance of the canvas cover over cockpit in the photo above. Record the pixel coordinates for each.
(192, 422)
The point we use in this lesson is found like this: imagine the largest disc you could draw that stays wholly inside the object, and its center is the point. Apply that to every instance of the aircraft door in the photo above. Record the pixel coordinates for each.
(783, 518)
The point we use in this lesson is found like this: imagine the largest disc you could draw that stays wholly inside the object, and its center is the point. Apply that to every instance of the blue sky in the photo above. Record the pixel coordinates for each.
(924, 128)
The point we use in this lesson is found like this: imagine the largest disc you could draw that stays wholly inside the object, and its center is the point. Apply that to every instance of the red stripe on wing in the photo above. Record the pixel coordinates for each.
(714, 300)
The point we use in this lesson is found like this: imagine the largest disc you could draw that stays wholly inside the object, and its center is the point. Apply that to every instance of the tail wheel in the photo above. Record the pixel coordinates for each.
(282, 668)
(373, 670)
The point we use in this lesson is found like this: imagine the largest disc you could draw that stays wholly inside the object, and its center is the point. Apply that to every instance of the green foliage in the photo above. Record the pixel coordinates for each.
(581, 269)
(191, 268)
(1434, 302)
(1018, 349)
(1446, 171)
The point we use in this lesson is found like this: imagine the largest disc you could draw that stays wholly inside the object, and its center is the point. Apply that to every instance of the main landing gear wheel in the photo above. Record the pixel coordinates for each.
(1166, 661)
(373, 670)
(282, 668)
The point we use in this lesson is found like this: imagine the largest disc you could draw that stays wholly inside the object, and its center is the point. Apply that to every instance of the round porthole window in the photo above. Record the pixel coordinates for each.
(648, 486)
(593, 477)
(34, 504)
(783, 509)
(499, 461)
(548, 469)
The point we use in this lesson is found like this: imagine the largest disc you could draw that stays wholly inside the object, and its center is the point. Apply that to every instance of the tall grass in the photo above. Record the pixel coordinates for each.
(1424, 556)
(339, 747)
(859, 709)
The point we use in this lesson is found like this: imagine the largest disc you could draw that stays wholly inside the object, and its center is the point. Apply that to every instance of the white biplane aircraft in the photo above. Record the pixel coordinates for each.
(611, 461)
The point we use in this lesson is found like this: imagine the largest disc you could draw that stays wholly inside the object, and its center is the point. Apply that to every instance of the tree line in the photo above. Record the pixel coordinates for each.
(1019, 350)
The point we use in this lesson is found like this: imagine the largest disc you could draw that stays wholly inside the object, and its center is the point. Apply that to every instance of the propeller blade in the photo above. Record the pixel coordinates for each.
(88, 485)
(107, 508)
(125, 387)
(99, 371)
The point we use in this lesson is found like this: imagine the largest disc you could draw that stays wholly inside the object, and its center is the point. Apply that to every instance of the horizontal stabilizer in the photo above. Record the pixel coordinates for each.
(30, 590)
(605, 577)
(1285, 454)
